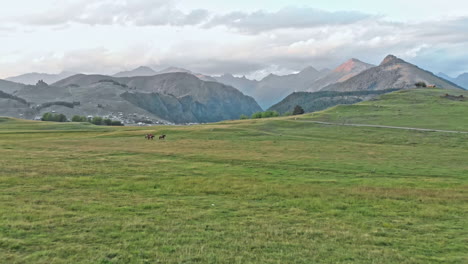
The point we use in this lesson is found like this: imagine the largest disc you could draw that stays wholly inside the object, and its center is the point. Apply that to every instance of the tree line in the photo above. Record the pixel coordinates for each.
(298, 110)
(97, 120)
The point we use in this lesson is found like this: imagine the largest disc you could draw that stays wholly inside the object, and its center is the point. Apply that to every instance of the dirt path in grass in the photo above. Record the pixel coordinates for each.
(392, 127)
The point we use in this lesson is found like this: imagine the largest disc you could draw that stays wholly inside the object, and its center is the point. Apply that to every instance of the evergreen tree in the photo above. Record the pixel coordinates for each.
(298, 110)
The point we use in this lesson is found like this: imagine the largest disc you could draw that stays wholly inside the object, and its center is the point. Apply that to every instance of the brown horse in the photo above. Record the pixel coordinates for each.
(149, 136)
(162, 137)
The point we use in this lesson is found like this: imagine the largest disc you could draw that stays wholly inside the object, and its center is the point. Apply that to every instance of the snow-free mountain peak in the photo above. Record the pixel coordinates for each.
(309, 70)
(352, 65)
(392, 73)
(140, 71)
(391, 59)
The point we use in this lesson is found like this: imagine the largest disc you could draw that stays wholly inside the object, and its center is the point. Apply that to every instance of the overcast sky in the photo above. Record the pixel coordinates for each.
(242, 37)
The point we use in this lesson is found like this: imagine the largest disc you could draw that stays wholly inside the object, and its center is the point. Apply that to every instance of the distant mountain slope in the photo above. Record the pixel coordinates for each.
(273, 88)
(200, 76)
(342, 73)
(13, 106)
(33, 78)
(244, 85)
(318, 101)
(391, 73)
(179, 96)
(10, 87)
(147, 71)
(461, 80)
(140, 71)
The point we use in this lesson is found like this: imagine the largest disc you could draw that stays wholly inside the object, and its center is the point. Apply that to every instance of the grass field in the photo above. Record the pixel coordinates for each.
(253, 191)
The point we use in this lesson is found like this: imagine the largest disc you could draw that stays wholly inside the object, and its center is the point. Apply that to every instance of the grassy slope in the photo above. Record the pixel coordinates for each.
(255, 191)
(422, 108)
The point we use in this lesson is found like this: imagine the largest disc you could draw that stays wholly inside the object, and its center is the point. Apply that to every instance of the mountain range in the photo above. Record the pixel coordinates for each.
(392, 74)
(147, 71)
(273, 88)
(165, 98)
(176, 95)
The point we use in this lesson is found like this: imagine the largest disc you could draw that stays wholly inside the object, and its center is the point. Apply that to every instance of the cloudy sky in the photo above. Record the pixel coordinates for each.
(243, 37)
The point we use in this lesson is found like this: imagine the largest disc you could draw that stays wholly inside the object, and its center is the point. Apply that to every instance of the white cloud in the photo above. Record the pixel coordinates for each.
(128, 34)
(291, 17)
(112, 12)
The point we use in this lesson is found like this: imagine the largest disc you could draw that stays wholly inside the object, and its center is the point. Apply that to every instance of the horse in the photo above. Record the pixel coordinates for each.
(149, 136)
(162, 137)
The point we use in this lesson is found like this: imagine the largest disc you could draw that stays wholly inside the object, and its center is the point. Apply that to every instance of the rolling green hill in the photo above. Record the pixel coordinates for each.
(421, 108)
(252, 191)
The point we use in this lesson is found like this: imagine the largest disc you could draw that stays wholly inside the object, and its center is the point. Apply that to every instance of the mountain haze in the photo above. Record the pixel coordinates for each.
(147, 71)
(273, 88)
(33, 78)
(461, 80)
(140, 71)
(244, 85)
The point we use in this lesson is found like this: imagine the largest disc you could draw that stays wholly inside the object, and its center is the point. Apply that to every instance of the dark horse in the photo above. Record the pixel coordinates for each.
(162, 137)
(149, 136)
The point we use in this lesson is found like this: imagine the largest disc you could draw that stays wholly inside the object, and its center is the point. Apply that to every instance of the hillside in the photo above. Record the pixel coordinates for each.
(179, 98)
(317, 101)
(10, 87)
(391, 73)
(421, 108)
(34, 77)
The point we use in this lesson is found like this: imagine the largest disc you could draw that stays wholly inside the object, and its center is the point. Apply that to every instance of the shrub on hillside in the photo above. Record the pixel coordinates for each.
(97, 120)
(77, 118)
(298, 110)
(266, 114)
(420, 84)
(257, 115)
(54, 117)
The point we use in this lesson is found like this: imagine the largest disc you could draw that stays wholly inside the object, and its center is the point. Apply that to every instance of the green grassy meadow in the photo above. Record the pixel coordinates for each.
(253, 191)
(421, 108)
